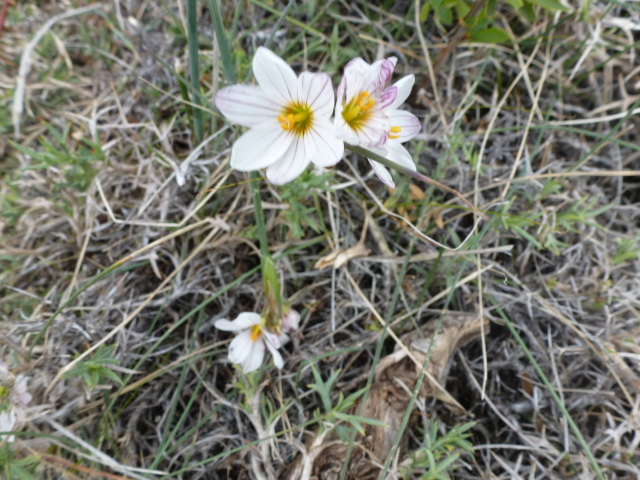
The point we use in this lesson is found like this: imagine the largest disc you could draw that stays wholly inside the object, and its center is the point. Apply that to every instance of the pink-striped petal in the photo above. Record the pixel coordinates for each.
(247, 105)
(316, 90)
(408, 124)
(388, 97)
(382, 173)
(275, 77)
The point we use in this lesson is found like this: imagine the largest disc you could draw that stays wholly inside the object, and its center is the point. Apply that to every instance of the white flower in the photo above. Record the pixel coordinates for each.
(288, 117)
(367, 113)
(290, 321)
(14, 399)
(248, 347)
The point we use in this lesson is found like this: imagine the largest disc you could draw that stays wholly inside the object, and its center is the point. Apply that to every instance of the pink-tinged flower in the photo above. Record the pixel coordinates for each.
(367, 113)
(288, 119)
(248, 347)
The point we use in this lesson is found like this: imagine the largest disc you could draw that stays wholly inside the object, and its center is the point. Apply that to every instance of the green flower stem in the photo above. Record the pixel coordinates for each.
(270, 278)
(260, 224)
(418, 176)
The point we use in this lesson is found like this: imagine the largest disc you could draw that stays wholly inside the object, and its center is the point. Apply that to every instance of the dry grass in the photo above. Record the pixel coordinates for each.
(542, 132)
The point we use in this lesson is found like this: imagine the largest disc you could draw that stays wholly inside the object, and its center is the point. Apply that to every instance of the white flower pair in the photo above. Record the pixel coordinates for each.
(248, 347)
(290, 117)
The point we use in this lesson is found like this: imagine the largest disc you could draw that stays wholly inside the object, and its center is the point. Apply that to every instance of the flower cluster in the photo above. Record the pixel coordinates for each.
(289, 117)
(14, 398)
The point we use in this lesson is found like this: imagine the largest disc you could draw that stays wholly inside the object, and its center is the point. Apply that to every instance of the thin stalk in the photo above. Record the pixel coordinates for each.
(260, 224)
(194, 68)
(223, 43)
(418, 176)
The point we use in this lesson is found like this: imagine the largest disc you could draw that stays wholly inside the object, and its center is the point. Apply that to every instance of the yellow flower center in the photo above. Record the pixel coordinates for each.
(394, 130)
(355, 112)
(296, 118)
(256, 331)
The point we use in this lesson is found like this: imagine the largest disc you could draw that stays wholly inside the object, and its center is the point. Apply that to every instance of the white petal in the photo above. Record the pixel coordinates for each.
(382, 173)
(241, 346)
(291, 165)
(375, 131)
(404, 86)
(378, 76)
(409, 125)
(20, 390)
(277, 358)
(255, 357)
(343, 131)
(354, 73)
(242, 322)
(324, 149)
(276, 78)
(247, 105)
(291, 321)
(316, 90)
(260, 147)
(272, 339)
(398, 154)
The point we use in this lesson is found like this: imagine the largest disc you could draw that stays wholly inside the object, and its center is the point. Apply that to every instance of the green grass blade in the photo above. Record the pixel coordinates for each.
(194, 67)
(223, 43)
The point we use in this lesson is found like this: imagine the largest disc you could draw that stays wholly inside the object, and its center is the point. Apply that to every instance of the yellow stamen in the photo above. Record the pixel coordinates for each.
(394, 130)
(365, 102)
(354, 112)
(256, 331)
(296, 117)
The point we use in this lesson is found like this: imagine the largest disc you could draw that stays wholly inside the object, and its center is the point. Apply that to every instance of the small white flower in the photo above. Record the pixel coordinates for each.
(367, 113)
(248, 347)
(14, 398)
(290, 321)
(288, 117)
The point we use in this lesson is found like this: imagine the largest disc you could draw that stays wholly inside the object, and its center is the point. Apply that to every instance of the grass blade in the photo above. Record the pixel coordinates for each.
(223, 44)
(194, 67)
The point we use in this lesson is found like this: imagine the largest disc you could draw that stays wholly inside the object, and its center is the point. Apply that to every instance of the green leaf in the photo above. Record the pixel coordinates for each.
(489, 35)
(516, 4)
(462, 8)
(528, 11)
(424, 12)
(444, 15)
(550, 4)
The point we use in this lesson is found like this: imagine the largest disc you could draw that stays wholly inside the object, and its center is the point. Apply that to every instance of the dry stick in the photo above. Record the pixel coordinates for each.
(25, 62)
(128, 320)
